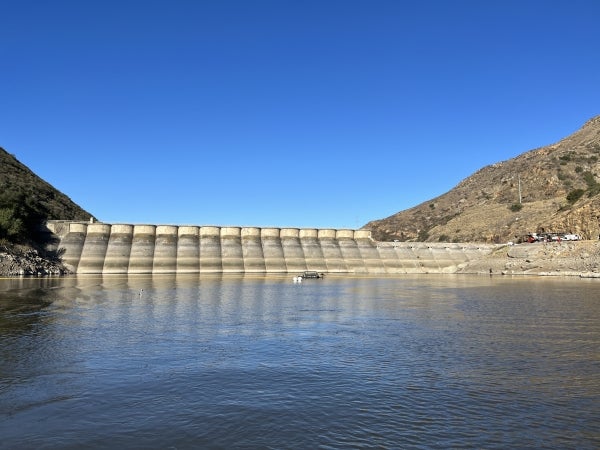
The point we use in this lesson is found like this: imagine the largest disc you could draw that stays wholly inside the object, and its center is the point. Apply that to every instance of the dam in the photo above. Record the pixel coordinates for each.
(103, 248)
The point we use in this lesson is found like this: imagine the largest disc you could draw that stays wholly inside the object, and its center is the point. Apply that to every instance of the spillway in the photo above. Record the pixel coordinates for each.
(102, 248)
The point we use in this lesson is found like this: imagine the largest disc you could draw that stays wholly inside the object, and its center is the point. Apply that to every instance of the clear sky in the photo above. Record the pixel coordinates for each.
(312, 113)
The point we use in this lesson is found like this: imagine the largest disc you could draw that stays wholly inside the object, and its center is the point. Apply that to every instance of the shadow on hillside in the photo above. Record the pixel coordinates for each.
(47, 244)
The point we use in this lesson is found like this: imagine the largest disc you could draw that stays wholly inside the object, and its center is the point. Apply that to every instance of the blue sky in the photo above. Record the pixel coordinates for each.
(286, 113)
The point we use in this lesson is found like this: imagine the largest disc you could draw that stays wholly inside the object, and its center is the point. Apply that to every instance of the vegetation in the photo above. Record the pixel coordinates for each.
(515, 207)
(592, 184)
(19, 217)
(423, 235)
(27, 201)
(566, 157)
(485, 204)
(575, 195)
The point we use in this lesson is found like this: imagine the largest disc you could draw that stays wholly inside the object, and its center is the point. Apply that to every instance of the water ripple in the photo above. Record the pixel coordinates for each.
(256, 363)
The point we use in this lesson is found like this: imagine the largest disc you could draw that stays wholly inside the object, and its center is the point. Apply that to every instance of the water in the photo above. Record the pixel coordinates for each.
(262, 363)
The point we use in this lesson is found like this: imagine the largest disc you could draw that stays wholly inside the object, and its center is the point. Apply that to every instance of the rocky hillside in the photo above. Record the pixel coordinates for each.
(18, 182)
(26, 202)
(559, 186)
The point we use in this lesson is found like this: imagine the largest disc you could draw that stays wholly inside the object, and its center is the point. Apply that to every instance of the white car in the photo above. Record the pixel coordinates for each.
(571, 237)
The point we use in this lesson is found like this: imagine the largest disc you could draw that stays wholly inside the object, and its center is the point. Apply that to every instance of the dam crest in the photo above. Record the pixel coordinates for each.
(102, 248)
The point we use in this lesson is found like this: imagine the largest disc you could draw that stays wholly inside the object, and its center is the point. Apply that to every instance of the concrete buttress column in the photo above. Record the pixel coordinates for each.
(292, 250)
(165, 249)
(232, 256)
(141, 259)
(119, 249)
(331, 251)
(94, 248)
(313, 254)
(368, 252)
(188, 249)
(71, 245)
(272, 250)
(210, 249)
(350, 252)
(254, 259)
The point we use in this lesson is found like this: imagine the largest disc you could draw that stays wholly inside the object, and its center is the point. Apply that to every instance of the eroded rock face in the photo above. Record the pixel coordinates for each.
(580, 258)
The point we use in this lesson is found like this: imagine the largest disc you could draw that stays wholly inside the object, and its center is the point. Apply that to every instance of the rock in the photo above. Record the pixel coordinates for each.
(25, 261)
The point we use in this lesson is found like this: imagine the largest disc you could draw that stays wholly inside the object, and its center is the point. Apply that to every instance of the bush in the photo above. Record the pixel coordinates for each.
(589, 178)
(566, 157)
(574, 195)
(422, 236)
(515, 207)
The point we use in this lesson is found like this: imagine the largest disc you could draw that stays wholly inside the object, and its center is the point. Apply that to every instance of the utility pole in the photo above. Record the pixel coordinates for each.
(520, 199)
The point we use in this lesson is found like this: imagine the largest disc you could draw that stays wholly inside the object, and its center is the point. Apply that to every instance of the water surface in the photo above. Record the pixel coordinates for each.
(259, 362)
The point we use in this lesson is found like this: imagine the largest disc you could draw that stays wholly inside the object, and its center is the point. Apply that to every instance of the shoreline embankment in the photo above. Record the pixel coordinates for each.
(565, 258)
(100, 248)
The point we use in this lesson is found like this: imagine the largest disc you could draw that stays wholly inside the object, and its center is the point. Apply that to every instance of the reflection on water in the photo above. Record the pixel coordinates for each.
(260, 362)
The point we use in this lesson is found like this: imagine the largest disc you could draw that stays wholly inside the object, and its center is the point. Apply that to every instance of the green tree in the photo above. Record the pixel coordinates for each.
(19, 218)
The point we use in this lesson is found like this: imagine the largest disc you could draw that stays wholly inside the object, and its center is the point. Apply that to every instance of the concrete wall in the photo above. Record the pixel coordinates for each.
(129, 249)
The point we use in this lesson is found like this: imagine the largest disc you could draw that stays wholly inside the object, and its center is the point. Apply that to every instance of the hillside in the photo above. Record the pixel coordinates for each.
(559, 186)
(18, 182)
(26, 202)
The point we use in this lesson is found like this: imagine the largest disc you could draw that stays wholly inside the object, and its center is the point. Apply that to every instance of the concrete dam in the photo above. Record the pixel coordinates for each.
(102, 248)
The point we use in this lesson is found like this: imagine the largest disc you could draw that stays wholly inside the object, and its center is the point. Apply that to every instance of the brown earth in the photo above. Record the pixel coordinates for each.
(566, 258)
(552, 189)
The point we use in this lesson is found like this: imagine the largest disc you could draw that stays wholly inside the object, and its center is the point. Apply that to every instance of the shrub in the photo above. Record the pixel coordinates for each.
(515, 207)
(589, 178)
(574, 195)
(423, 235)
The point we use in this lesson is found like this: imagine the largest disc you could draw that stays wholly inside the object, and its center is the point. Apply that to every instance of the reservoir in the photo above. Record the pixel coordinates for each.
(207, 361)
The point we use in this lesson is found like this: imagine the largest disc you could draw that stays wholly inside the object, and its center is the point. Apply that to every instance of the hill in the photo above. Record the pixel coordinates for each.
(26, 202)
(548, 189)
(17, 182)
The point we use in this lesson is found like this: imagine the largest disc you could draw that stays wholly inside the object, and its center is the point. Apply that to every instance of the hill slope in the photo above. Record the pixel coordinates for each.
(17, 181)
(558, 184)
(26, 201)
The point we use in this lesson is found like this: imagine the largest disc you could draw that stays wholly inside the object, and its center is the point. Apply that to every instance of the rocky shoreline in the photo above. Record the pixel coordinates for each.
(580, 258)
(566, 258)
(26, 261)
